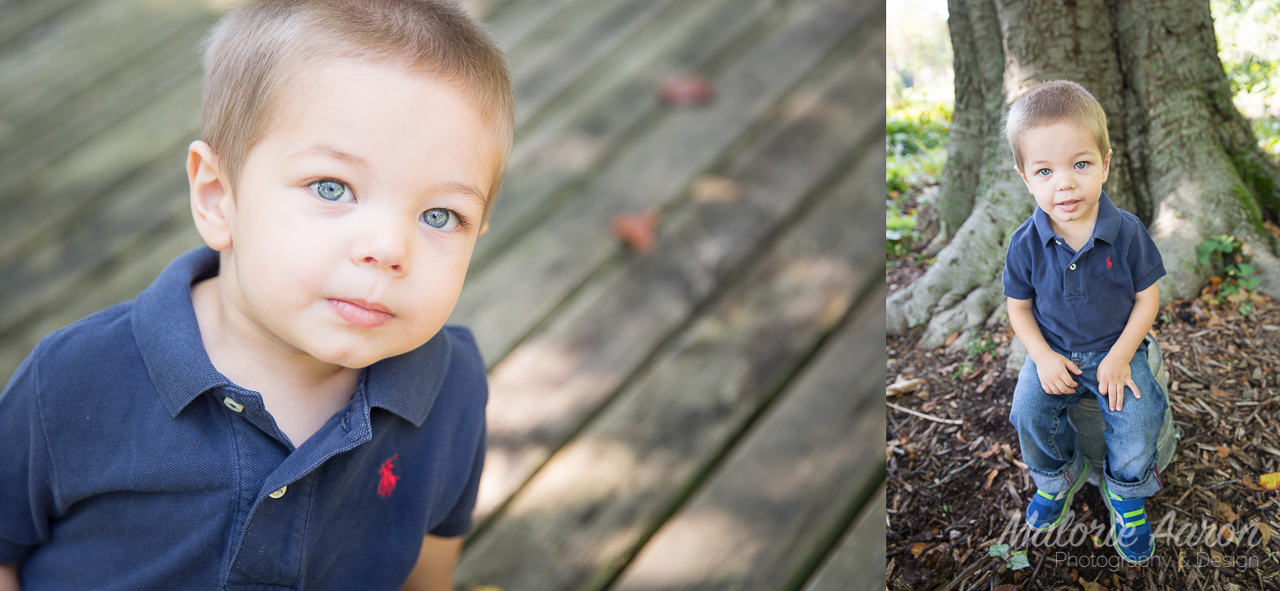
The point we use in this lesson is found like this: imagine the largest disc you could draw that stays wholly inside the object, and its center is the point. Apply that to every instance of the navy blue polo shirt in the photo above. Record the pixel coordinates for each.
(1082, 299)
(129, 462)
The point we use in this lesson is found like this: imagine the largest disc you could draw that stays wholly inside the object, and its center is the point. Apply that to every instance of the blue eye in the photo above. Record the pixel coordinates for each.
(1043, 171)
(330, 190)
(441, 219)
(1081, 165)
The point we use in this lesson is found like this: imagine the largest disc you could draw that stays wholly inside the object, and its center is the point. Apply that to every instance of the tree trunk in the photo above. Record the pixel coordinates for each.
(1184, 160)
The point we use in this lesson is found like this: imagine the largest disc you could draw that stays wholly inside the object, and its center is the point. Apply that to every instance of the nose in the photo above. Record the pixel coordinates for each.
(1066, 182)
(382, 244)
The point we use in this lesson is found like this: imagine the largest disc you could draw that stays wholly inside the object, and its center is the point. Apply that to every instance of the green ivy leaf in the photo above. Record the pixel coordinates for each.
(997, 549)
(1018, 560)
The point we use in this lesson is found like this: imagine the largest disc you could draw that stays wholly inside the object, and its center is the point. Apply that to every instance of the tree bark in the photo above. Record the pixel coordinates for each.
(1184, 160)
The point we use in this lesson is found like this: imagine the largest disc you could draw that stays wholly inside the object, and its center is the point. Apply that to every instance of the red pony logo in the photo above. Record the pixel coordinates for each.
(387, 480)
(1108, 262)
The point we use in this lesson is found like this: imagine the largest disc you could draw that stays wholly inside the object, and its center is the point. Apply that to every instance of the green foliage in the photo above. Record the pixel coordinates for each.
(899, 231)
(976, 347)
(915, 144)
(1249, 47)
(1238, 277)
(1013, 560)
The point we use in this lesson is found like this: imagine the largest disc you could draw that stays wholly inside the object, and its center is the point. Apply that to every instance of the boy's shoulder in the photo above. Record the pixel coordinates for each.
(104, 337)
(1023, 237)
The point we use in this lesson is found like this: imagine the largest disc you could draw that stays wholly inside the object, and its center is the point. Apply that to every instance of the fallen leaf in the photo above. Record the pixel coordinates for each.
(1217, 391)
(991, 477)
(917, 548)
(713, 188)
(1217, 556)
(686, 91)
(638, 230)
(1215, 280)
(1226, 533)
(1090, 586)
(951, 338)
(1225, 511)
(1271, 227)
(1270, 481)
(1223, 451)
(1265, 530)
(1251, 486)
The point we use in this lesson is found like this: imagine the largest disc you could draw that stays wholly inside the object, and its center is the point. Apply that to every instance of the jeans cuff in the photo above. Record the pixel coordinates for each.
(1147, 487)
(1063, 479)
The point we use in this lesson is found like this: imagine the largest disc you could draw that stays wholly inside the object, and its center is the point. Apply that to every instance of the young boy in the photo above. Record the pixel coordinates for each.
(283, 408)
(1080, 276)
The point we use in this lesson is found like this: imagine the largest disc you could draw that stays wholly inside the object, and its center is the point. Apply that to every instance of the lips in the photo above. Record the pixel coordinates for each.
(360, 313)
(1069, 206)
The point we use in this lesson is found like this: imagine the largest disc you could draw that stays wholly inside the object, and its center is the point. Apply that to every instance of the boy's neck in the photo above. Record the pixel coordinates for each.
(299, 391)
(1076, 233)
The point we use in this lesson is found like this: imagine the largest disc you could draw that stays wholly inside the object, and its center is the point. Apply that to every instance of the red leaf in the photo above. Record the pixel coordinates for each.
(638, 230)
(687, 90)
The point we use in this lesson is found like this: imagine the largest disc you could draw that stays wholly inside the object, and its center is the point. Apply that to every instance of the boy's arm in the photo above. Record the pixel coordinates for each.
(9, 577)
(434, 571)
(1113, 371)
(1053, 369)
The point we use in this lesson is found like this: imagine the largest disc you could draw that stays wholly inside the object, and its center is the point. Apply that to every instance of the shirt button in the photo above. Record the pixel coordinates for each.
(1072, 267)
(1058, 241)
(278, 493)
(233, 405)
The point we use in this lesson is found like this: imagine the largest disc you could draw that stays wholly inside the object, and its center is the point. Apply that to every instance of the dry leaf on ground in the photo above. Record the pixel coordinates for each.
(637, 231)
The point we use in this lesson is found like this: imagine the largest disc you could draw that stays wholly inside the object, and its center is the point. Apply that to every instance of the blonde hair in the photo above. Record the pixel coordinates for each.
(254, 52)
(1055, 102)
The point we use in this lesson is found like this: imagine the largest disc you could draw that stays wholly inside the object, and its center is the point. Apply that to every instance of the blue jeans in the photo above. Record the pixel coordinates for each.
(1049, 442)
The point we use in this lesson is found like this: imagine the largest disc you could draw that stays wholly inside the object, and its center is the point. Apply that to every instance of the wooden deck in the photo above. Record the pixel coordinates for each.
(705, 416)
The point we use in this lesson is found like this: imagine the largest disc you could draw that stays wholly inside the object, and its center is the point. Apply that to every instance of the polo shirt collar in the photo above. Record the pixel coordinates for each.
(168, 337)
(1105, 228)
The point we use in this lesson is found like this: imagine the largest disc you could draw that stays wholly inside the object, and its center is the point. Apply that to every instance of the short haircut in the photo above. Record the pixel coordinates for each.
(1055, 102)
(254, 52)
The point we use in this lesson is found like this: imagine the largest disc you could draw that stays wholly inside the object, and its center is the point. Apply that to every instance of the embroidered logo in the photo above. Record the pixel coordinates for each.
(387, 480)
(1108, 262)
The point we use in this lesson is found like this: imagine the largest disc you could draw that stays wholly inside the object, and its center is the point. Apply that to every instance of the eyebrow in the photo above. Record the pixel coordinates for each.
(463, 189)
(1076, 155)
(445, 187)
(331, 152)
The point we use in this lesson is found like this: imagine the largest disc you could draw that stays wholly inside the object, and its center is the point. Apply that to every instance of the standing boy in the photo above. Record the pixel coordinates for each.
(1080, 276)
(283, 408)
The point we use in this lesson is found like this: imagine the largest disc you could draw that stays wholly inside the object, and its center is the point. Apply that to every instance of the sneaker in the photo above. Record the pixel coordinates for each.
(1046, 509)
(1129, 522)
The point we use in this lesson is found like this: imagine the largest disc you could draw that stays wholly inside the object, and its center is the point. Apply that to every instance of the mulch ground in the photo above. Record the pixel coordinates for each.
(953, 489)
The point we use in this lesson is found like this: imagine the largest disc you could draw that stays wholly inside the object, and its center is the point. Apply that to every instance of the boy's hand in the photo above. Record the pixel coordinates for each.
(1055, 373)
(1113, 376)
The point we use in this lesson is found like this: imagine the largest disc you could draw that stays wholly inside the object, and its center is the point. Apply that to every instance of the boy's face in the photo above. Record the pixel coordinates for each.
(1064, 170)
(354, 219)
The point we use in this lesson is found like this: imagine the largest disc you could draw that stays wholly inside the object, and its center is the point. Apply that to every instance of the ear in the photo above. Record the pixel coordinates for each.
(484, 227)
(1022, 176)
(211, 203)
(1106, 165)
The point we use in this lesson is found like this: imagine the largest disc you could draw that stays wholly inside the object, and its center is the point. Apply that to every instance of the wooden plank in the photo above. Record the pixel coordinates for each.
(59, 119)
(20, 19)
(762, 515)
(85, 44)
(858, 563)
(513, 22)
(545, 73)
(69, 191)
(549, 265)
(578, 520)
(572, 137)
(130, 273)
(546, 388)
(54, 272)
